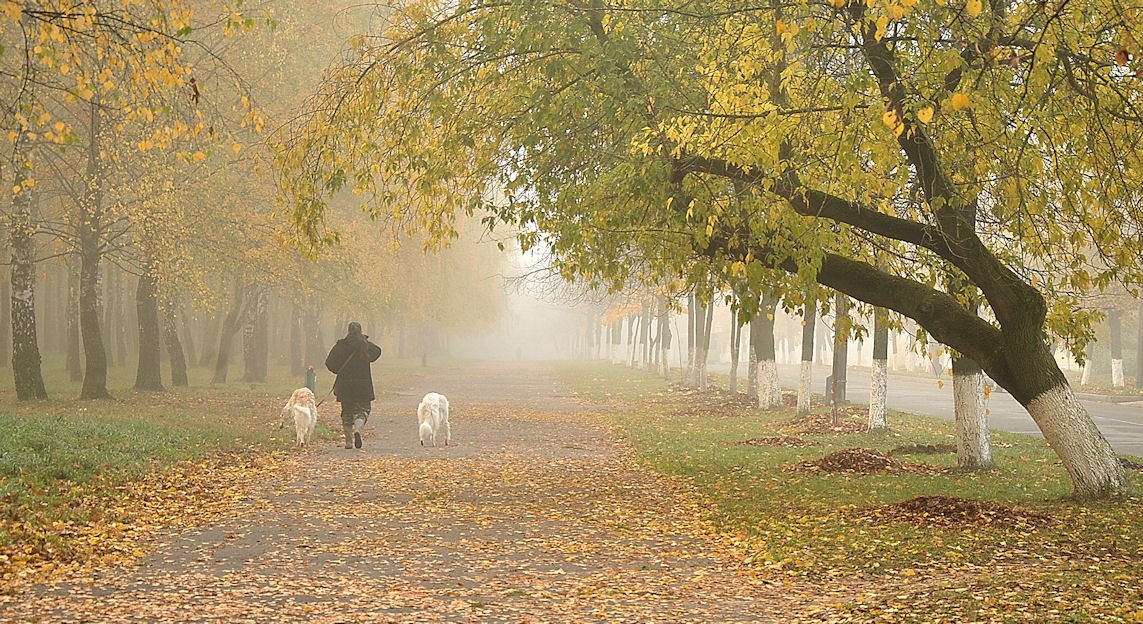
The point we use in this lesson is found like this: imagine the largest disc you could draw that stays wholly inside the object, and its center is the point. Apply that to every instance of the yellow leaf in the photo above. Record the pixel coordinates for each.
(237, 147)
(973, 7)
(960, 101)
(925, 115)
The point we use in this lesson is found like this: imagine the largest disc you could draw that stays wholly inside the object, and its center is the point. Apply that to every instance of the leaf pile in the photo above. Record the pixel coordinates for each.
(862, 461)
(782, 441)
(821, 423)
(955, 511)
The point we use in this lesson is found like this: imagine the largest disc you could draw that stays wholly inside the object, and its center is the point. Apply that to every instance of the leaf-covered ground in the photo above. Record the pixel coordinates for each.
(537, 513)
(534, 514)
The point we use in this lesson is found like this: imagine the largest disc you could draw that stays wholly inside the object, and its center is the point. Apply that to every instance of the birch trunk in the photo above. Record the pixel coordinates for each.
(26, 372)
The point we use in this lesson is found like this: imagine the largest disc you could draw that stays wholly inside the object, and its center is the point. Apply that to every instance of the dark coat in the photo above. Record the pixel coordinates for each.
(354, 381)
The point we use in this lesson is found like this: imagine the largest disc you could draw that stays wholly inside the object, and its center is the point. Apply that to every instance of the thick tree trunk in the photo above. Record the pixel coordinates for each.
(26, 372)
(879, 382)
(805, 378)
(148, 375)
(973, 447)
(174, 345)
(1115, 325)
(762, 344)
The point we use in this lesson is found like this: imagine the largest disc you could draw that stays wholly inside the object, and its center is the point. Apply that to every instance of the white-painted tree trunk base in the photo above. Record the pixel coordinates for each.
(1117, 373)
(805, 390)
(1085, 378)
(769, 392)
(973, 446)
(879, 384)
(1091, 463)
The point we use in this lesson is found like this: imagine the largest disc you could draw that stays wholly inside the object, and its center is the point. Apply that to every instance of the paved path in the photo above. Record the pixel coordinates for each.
(535, 514)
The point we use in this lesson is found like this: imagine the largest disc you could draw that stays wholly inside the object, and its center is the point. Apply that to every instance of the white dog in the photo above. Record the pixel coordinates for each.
(302, 406)
(432, 415)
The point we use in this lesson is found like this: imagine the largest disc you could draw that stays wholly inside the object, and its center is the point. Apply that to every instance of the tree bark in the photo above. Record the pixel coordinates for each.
(311, 326)
(5, 319)
(840, 351)
(148, 374)
(1115, 325)
(255, 342)
(809, 330)
(879, 383)
(692, 339)
(1139, 345)
(26, 372)
(665, 338)
(735, 341)
(175, 352)
(973, 447)
(762, 344)
(74, 355)
(230, 326)
(90, 228)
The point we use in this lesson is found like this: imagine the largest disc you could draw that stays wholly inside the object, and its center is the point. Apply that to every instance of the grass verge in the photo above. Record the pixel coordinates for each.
(918, 541)
(85, 483)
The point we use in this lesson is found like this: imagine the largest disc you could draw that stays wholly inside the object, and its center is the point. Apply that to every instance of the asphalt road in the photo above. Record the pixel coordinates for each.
(1121, 423)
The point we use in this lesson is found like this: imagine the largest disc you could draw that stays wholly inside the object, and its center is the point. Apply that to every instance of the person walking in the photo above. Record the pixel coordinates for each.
(349, 359)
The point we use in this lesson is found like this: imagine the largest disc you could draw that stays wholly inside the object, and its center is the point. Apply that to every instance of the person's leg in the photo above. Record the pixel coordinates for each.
(347, 413)
(360, 417)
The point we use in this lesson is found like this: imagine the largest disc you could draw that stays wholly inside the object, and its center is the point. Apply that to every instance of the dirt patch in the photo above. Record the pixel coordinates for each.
(924, 449)
(953, 511)
(783, 441)
(862, 461)
(821, 423)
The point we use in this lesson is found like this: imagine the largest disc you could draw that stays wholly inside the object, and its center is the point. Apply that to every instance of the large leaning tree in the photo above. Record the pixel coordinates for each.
(969, 166)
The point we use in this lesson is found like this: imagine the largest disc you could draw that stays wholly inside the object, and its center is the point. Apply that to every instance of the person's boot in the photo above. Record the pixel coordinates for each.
(348, 430)
(358, 427)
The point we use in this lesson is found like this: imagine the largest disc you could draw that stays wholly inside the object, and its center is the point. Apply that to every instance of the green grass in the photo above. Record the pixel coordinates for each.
(823, 526)
(58, 455)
